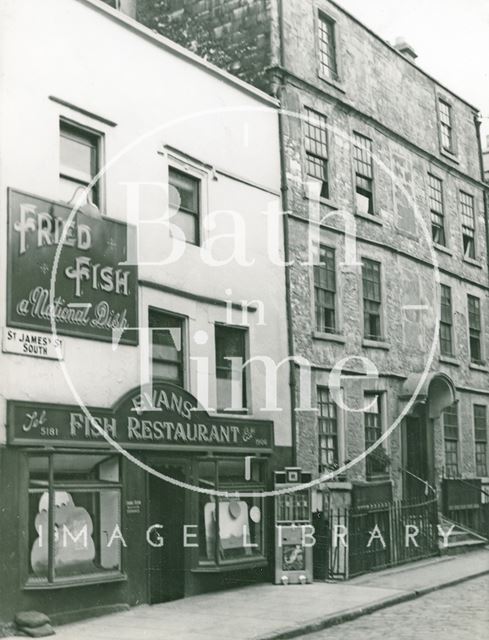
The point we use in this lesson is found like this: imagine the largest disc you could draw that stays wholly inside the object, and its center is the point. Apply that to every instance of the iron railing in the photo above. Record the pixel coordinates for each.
(354, 541)
(466, 503)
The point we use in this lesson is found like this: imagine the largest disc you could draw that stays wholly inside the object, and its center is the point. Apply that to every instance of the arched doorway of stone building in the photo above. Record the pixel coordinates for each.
(418, 441)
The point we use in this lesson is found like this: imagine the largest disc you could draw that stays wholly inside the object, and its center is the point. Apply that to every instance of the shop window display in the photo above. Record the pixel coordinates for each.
(230, 528)
(74, 517)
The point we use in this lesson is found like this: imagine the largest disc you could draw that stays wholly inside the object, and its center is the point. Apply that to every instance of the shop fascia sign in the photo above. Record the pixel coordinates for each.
(95, 291)
(162, 417)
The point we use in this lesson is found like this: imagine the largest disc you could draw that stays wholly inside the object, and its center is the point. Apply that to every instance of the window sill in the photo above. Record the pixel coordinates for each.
(231, 412)
(451, 360)
(474, 263)
(66, 583)
(336, 83)
(478, 367)
(328, 337)
(375, 344)
(335, 485)
(252, 563)
(376, 219)
(450, 155)
(324, 201)
(442, 249)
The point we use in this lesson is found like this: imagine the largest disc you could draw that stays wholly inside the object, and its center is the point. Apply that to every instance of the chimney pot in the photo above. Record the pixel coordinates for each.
(406, 49)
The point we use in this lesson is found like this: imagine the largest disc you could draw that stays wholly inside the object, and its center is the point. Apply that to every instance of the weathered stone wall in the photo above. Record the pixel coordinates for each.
(233, 34)
(376, 80)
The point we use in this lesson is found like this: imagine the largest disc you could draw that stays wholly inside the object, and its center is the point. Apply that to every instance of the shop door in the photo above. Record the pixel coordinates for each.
(416, 466)
(166, 562)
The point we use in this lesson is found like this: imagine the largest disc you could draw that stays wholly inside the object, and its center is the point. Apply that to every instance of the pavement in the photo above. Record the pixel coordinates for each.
(266, 612)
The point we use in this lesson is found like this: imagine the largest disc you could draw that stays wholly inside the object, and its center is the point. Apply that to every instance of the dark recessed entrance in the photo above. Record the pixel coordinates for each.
(418, 452)
(166, 562)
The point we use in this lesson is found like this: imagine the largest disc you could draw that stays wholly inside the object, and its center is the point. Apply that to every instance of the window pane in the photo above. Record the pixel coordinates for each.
(230, 372)
(327, 47)
(189, 224)
(85, 516)
(79, 161)
(327, 430)
(240, 527)
(167, 347)
(183, 191)
(325, 290)
(77, 156)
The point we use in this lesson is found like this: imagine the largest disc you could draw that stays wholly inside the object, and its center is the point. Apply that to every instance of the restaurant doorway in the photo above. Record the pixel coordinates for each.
(166, 558)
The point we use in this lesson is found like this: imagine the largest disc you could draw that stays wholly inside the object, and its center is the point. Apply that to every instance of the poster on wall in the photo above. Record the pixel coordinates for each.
(94, 291)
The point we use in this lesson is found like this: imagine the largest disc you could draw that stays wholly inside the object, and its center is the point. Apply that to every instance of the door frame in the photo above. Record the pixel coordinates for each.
(154, 460)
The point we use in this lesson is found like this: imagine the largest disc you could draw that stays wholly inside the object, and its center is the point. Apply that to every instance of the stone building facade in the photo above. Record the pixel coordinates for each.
(368, 134)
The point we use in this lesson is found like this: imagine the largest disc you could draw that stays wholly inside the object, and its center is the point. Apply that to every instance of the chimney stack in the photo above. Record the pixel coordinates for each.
(129, 7)
(406, 49)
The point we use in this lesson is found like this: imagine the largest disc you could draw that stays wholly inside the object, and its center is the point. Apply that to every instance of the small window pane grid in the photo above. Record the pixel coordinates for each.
(480, 437)
(362, 156)
(230, 375)
(375, 465)
(316, 144)
(327, 48)
(327, 430)
(74, 515)
(371, 299)
(435, 195)
(446, 345)
(446, 125)
(450, 429)
(79, 152)
(474, 313)
(468, 224)
(167, 347)
(184, 196)
(230, 530)
(325, 290)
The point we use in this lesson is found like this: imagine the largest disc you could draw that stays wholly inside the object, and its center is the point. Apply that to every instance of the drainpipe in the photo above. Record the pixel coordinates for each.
(285, 205)
(485, 190)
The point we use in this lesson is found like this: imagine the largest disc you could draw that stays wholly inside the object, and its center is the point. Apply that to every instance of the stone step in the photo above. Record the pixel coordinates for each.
(464, 546)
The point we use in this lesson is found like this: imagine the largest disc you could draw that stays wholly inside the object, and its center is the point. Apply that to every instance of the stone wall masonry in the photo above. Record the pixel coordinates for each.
(234, 35)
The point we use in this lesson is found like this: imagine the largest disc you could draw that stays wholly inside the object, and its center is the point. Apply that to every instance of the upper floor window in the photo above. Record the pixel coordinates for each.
(325, 290)
(450, 432)
(474, 313)
(167, 334)
(446, 125)
(79, 152)
(435, 195)
(230, 370)
(446, 343)
(372, 299)
(184, 199)
(480, 438)
(362, 155)
(317, 149)
(467, 213)
(327, 48)
(327, 430)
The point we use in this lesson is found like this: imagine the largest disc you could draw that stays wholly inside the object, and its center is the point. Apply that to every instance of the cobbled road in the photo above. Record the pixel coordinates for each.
(456, 613)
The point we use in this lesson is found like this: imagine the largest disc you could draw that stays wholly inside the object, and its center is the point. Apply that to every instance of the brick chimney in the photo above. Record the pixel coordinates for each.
(406, 49)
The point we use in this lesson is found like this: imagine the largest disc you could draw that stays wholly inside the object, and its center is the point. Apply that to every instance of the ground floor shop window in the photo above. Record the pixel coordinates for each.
(231, 528)
(74, 517)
